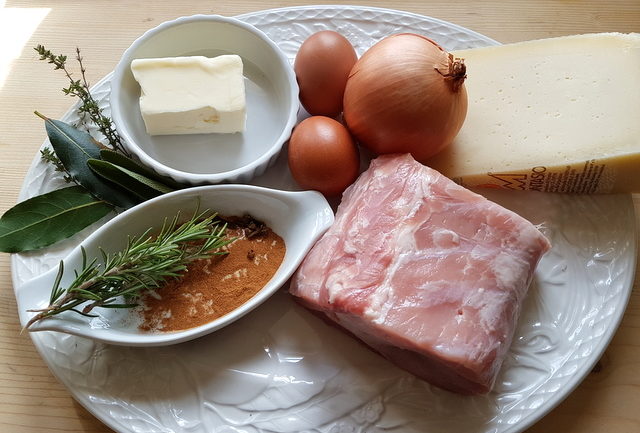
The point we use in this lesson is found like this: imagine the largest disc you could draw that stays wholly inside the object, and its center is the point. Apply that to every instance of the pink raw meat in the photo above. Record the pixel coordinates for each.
(427, 273)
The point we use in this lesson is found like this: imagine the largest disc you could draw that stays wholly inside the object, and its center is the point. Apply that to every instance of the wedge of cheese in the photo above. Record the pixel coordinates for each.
(191, 95)
(557, 115)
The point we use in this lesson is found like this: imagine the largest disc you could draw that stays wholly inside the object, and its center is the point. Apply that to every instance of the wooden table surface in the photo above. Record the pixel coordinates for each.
(31, 400)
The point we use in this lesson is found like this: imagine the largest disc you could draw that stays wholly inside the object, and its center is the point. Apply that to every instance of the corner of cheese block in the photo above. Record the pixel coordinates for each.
(630, 40)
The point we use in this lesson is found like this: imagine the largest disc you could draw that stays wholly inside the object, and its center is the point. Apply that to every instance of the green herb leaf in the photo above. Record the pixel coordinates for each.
(138, 184)
(45, 219)
(123, 161)
(75, 148)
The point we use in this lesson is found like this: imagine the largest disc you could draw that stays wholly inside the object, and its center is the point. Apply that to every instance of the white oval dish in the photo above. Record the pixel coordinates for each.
(271, 98)
(298, 217)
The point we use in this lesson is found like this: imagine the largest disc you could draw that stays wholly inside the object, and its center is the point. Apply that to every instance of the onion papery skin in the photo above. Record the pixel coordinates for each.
(396, 101)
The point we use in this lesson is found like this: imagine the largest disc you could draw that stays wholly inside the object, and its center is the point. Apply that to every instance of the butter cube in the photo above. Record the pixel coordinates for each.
(191, 95)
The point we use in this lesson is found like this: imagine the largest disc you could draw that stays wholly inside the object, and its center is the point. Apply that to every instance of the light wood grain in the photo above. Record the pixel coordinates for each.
(31, 400)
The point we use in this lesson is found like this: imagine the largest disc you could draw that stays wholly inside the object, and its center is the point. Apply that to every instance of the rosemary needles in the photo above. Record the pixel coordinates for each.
(147, 262)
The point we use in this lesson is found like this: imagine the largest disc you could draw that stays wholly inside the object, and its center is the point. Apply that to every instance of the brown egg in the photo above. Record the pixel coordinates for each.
(322, 67)
(323, 156)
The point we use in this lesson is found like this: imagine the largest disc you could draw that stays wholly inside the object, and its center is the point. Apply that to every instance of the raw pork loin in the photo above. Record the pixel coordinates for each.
(427, 273)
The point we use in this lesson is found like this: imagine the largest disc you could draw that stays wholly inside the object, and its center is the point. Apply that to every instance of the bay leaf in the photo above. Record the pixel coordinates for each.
(74, 148)
(124, 161)
(138, 184)
(48, 218)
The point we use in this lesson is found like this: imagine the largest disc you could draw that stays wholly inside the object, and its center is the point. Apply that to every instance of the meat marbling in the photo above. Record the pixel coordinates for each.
(427, 273)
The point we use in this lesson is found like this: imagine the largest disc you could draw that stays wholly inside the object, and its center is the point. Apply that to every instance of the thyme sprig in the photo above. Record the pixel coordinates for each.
(48, 155)
(146, 263)
(89, 109)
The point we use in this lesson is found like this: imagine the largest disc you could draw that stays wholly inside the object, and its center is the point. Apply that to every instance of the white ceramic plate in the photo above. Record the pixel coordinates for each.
(281, 369)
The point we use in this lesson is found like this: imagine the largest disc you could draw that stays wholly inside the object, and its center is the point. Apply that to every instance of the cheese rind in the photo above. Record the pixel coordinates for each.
(191, 95)
(556, 115)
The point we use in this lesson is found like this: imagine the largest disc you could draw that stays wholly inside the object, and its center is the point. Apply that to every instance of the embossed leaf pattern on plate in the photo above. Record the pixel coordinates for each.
(281, 369)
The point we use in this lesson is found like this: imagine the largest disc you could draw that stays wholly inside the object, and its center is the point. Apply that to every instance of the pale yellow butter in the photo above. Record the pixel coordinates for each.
(558, 114)
(191, 95)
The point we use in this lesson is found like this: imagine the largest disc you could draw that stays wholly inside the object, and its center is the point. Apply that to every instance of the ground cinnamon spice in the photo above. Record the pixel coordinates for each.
(213, 287)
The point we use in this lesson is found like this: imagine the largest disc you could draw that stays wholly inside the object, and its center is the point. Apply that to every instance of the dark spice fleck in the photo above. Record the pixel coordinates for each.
(251, 226)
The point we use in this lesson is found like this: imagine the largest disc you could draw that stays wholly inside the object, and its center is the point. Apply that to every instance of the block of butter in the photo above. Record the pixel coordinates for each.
(191, 95)
(557, 115)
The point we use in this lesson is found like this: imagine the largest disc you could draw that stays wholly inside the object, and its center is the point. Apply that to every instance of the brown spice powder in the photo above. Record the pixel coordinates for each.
(214, 287)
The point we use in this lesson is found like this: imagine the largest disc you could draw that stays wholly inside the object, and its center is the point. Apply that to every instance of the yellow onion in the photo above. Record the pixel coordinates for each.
(406, 94)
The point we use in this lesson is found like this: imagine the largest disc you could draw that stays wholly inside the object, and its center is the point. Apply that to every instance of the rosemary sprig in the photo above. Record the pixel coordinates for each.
(146, 263)
(80, 88)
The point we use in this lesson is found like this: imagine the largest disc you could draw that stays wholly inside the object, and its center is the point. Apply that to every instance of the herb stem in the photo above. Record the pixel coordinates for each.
(80, 88)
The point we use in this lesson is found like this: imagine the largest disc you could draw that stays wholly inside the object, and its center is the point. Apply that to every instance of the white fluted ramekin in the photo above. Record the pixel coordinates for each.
(272, 102)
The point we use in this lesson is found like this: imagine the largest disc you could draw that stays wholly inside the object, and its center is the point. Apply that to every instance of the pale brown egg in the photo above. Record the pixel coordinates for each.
(323, 156)
(322, 67)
